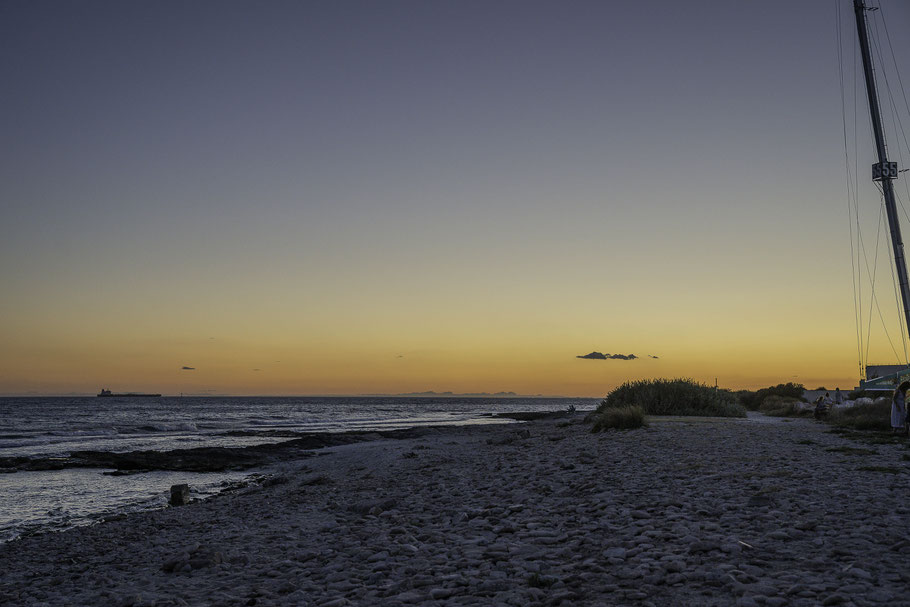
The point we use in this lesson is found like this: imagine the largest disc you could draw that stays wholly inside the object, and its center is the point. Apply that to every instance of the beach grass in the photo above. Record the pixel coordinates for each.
(672, 397)
(783, 406)
(872, 416)
(752, 400)
(619, 418)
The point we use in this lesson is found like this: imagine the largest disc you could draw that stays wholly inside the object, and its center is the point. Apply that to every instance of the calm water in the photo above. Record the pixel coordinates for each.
(41, 427)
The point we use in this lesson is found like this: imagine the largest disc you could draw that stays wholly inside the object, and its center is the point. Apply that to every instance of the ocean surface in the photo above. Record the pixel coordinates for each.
(56, 426)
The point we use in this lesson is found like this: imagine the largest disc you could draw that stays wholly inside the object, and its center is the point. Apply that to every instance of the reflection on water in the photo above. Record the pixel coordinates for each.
(59, 499)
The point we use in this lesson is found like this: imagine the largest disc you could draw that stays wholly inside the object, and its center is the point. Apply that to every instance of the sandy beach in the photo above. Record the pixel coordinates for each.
(760, 511)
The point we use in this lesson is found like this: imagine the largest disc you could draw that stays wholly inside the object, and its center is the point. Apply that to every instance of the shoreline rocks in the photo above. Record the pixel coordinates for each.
(214, 459)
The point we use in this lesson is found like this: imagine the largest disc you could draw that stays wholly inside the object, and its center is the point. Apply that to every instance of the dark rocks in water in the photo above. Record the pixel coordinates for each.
(220, 459)
(180, 495)
(528, 416)
(200, 459)
(15, 464)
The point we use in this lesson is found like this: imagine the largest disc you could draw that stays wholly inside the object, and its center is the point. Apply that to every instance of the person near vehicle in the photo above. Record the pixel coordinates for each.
(899, 408)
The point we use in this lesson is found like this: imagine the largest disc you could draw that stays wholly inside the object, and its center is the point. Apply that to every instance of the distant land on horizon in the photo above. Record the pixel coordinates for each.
(479, 394)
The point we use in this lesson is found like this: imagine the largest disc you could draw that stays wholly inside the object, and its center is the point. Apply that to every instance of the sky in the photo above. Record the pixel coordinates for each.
(387, 197)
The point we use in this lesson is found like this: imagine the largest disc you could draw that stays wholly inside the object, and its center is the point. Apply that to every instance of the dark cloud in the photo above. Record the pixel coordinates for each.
(652, 356)
(257, 369)
(600, 356)
(187, 368)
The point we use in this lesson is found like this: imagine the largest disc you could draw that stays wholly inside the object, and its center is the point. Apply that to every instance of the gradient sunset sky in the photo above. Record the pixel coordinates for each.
(384, 197)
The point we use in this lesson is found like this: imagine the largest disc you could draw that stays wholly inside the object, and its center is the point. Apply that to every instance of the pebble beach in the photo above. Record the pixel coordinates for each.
(687, 511)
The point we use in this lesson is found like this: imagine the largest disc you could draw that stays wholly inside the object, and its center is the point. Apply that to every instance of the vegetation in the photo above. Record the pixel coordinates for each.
(620, 418)
(783, 406)
(873, 416)
(753, 400)
(673, 397)
(854, 394)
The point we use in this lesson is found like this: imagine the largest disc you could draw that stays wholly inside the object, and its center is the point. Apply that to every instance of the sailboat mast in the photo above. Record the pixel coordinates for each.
(884, 170)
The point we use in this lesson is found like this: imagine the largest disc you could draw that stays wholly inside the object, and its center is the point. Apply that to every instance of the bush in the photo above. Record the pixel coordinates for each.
(673, 397)
(873, 416)
(753, 400)
(620, 418)
(783, 406)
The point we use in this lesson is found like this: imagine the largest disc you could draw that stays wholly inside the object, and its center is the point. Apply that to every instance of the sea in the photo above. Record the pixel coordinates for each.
(42, 427)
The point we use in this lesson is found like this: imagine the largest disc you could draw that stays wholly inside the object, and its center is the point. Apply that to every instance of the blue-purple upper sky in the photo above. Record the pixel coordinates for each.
(171, 170)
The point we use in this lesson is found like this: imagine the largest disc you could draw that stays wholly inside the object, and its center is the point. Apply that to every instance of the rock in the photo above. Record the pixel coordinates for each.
(410, 596)
(704, 546)
(315, 479)
(372, 507)
(758, 501)
(180, 495)
(615, 553)
(438, 594)
(674, 566)
(198, 558)
(860, 573)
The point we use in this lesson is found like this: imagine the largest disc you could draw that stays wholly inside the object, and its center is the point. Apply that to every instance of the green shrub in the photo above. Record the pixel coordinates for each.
(753, 400)
(673, 397)
(620, 418)
(874, 416)
(783, 406)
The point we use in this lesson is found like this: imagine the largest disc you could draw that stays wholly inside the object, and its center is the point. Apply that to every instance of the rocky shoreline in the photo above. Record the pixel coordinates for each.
(212, 459)
(706, 512)
(219, 459)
